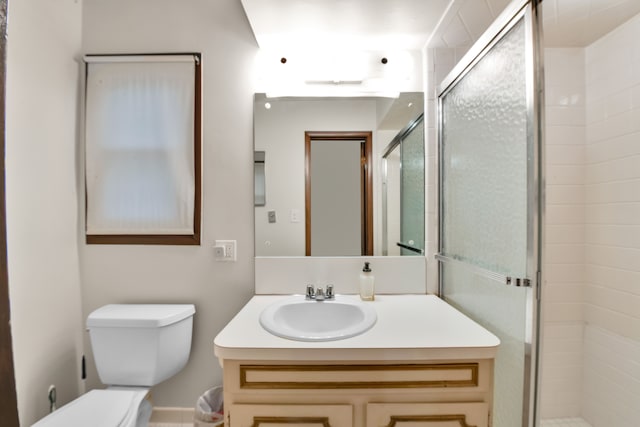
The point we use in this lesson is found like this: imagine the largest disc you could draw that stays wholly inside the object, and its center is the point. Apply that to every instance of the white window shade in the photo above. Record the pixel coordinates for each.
(140, 155)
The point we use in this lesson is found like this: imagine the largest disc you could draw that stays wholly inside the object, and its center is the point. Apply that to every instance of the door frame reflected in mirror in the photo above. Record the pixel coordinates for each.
(366, 184)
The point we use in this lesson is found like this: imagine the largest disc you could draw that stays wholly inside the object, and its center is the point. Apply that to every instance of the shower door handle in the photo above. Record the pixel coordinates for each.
(507, 280)
(410, 248)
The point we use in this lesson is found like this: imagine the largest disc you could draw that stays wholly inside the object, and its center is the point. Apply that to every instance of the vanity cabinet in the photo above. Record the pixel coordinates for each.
(428, 414)
(423, 364)
(450, 393)
(292, 415)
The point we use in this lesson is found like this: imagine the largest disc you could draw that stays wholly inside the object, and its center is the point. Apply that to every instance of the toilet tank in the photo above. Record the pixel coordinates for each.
(140, 344)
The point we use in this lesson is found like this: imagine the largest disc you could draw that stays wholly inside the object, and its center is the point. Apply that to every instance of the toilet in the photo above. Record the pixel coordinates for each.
(135, 346)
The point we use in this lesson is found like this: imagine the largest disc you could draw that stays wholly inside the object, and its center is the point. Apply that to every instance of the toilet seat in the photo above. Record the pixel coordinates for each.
(116, 407)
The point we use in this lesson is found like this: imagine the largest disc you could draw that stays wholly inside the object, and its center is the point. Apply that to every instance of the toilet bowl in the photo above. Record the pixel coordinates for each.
(103, 408)
(135, 346)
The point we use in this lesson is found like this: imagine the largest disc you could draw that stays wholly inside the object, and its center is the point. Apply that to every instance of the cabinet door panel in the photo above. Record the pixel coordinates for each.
(247, 415)
(427, 415)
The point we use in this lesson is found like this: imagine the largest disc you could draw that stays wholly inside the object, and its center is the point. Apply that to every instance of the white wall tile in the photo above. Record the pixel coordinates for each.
(562, 135)
(564, 115)
(566, 273)
(612, 192)
(620, 302)
(613, 235)
(565, 194)
(564, 175)
(614, 278)
(614, 257)
(613, 170)
(564, 220)
(613, 148)
(621, 214)
(565, 96)
(565, 293)
(612, 378)
(571, 233)
(565, 253)
(474, 15)
(569, 154)
(565, 214)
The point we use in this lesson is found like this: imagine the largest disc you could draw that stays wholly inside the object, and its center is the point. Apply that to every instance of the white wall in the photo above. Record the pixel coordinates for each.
(564, 251)
(42, 201)
(112, 273)
(612, 229)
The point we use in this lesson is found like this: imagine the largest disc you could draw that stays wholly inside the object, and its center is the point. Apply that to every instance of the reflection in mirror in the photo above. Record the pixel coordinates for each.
(403, 192)
(299, 135)
(259, 186)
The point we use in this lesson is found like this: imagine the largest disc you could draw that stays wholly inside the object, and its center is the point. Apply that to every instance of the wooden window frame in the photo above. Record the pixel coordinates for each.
(168, 239)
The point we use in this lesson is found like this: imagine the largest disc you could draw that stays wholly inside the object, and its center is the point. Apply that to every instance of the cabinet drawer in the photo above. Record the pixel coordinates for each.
(358, 376)
(475, 414)
(274, 415)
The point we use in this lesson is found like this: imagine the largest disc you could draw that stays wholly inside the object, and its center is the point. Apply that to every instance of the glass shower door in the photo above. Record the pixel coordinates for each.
(489, 202)
(412, 191)
(403, 192)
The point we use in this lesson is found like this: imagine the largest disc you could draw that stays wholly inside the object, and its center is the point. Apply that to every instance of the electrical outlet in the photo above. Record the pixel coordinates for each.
(225, 250)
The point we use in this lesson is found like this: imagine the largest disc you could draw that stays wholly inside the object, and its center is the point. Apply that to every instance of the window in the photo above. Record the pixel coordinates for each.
(143, 149)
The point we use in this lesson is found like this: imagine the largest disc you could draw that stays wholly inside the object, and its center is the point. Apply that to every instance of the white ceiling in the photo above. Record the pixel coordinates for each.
(409, 24)
(578, 23)
(357, 24)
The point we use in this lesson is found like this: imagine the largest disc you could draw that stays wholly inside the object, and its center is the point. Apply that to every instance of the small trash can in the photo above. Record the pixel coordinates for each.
(209, 408)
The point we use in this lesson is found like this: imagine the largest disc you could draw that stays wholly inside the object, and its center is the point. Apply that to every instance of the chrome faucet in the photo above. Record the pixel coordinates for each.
(319, 294)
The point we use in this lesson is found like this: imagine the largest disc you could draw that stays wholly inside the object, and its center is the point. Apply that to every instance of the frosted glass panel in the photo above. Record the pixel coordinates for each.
(484, 161)
(392, 213)
(486, 156)
(502, 310)
(412, 189)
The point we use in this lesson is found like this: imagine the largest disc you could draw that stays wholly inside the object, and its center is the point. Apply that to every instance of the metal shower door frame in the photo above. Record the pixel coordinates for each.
(529, 11)
(396, 142)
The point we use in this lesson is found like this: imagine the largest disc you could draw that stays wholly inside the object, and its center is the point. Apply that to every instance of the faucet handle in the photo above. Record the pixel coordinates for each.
(311, 293)
(329, 292)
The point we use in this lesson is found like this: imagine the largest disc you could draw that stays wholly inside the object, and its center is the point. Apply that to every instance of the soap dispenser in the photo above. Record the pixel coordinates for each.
(367, 283)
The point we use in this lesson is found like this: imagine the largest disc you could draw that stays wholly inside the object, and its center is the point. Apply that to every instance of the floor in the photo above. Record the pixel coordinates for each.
(171, 425)
(558, 422)
(565, 422)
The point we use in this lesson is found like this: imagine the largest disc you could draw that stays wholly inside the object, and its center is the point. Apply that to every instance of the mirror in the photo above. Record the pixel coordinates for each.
(339, 176)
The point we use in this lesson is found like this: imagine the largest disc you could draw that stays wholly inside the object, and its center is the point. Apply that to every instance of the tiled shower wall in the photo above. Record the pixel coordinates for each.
(611, 384)
(591, 348)
(564, 251)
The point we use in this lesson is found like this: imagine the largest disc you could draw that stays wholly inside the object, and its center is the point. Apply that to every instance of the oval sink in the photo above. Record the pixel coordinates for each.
(303, 320)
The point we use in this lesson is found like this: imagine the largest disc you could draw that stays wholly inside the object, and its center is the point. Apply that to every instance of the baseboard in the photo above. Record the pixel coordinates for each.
(171, 415)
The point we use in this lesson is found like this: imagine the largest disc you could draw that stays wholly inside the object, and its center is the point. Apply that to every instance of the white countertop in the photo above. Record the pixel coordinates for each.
(409, 327)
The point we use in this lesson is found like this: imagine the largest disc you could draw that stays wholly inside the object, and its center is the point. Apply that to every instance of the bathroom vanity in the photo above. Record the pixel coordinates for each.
(423, 363)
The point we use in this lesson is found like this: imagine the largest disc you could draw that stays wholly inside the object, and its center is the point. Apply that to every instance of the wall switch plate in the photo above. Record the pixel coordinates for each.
(294, 215)
(225, 250)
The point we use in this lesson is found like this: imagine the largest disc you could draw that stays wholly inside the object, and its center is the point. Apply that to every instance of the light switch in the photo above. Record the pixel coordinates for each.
(294, 215)
(272, 217)
(225, 250)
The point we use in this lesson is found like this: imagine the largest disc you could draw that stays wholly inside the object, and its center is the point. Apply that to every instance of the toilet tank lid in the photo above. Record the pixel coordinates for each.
(139, 315)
